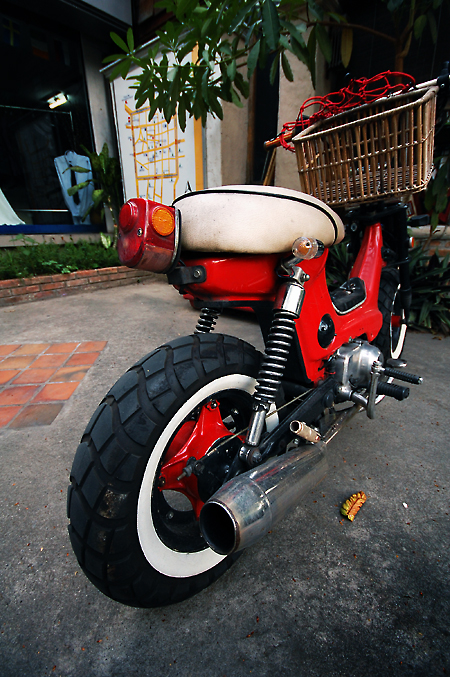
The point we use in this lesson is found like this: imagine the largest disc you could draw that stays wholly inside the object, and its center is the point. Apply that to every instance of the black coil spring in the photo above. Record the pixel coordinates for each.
(276, 355)
(206, 321)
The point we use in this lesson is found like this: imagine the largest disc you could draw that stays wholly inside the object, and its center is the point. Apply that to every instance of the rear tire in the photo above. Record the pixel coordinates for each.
(391, 337)
(131, 540)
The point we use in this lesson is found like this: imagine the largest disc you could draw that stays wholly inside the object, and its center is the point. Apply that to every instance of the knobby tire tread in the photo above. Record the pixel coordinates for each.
(111, 459)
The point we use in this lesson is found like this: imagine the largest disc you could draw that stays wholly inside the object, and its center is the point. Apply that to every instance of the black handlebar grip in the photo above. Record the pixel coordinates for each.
(403, 376)
(391, 390)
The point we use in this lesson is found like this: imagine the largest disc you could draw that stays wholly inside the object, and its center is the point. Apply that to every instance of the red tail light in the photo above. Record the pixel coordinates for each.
(148, 235)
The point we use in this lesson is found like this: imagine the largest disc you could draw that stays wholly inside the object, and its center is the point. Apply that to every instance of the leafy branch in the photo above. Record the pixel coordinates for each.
(207, 53)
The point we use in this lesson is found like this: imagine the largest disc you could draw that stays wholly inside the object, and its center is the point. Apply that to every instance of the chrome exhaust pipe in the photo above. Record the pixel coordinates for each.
(248, 506)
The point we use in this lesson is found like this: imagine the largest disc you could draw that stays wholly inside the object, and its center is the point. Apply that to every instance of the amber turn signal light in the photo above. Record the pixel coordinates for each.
(305, 248)
(163, 221)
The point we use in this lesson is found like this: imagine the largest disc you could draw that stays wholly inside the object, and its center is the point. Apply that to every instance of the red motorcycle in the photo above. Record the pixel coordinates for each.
(204, 444)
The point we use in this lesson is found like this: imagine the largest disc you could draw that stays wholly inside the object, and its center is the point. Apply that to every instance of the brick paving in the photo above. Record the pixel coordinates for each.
(36, 379)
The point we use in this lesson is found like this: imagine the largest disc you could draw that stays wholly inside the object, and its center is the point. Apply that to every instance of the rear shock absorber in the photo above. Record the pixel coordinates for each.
(277, 351)
(287, 310)
(206, 321)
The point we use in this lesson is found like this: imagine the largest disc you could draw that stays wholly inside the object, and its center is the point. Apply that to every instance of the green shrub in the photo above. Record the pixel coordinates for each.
(430, 284)
(339, 263)
(48, 259)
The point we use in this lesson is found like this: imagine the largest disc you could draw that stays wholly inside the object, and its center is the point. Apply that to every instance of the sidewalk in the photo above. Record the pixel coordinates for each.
(318, 596)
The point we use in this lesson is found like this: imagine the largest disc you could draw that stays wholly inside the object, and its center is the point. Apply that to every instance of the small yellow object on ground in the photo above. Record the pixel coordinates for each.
(353, 504)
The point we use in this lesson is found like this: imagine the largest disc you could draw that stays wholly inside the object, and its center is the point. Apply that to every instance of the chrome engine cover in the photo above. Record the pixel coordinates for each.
(352, 364)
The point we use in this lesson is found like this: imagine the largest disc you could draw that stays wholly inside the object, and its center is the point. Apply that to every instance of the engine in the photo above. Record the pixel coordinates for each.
(352, 366)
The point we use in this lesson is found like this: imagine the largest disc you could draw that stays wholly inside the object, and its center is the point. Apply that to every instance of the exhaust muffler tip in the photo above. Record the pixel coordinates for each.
(237, 516)
(249, 505)
(218, 527)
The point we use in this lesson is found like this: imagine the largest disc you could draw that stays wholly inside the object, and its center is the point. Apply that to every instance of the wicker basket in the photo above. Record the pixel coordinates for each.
(380, 149)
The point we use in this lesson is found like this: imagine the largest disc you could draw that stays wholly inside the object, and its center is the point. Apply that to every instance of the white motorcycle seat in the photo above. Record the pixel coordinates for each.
(254, 220)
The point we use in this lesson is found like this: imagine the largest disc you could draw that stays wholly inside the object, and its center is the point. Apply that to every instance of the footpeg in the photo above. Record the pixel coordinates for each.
(391, 390)
(402, 376)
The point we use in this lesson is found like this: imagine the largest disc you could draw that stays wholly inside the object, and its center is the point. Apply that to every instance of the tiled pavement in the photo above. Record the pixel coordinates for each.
(36, 379)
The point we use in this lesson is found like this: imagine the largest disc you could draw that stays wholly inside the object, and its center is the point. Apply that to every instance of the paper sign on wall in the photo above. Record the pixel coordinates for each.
(159, 161)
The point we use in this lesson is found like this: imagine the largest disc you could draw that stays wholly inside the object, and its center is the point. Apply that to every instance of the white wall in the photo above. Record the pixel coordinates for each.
(98, 95)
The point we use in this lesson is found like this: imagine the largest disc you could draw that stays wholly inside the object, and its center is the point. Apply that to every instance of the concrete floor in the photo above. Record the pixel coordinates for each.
(320, 596)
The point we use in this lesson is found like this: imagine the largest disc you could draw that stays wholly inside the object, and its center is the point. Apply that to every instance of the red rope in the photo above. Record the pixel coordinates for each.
(355, 94)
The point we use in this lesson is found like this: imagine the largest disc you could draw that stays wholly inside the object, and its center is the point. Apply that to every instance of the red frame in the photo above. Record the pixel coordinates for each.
(253, 278)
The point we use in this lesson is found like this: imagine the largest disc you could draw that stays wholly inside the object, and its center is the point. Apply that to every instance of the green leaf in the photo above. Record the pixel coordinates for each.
(184, 51)
(434, 220)
(271, 24)
(287, 70)
(235, 98)
(242, 85)
(440, 182)
(205, 87)
(74, 189)
(112, 58)
(105, 240)
(76, 168)
(441, 202)
(346, 46)
(300, 51)
(225, 48)
(285, 44)
(231, 70)
(205, 57)
(419, 25)
(119, 42)
(98, 196)
(324, 43)
(216, 107)
(205, 27)
(181, 114)
(130, 40)
(293, 28)
(121, 69)
(263, 53)
(240, 16)
(252, 59)
(274, 69)
(183, 6)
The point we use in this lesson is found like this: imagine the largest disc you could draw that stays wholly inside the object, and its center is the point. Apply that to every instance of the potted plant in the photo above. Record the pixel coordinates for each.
(108, 187)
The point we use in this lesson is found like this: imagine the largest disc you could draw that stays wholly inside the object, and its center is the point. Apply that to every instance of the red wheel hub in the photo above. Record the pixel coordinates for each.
(192, 440)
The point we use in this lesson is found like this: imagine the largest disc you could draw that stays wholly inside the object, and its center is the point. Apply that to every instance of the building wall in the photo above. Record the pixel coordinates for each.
(98, 97)
(292, 95)
(234, 144)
